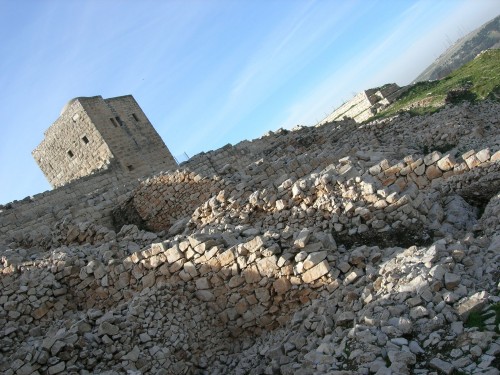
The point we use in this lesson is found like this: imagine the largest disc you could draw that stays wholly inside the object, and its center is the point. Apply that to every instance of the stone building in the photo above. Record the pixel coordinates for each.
(365, 104)
(93, 134)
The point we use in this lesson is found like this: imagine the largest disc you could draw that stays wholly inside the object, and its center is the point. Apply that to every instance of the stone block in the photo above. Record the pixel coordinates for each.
(472, 161)
(226, 257)
(268, 266)
(251, 274)
(314, 258)
(204, 295)
(483, 155)
(316, 272)
(476, 302)
(255, 244)
(446, 163)
(432, 157)
(451, 280)
(433, 172)
(495, 156)
(302, 238)
(174, 254)
(282, 285)
(420, 170)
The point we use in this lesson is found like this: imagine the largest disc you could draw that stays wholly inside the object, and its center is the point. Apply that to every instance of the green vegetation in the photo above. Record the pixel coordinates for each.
(444, 148)
(477, 80)
(478, 319)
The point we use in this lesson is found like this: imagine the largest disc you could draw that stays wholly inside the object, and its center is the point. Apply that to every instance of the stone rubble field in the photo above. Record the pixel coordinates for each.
(336, 249)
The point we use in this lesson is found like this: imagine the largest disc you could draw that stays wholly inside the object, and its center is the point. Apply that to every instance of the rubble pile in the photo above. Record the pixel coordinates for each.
(339, 249)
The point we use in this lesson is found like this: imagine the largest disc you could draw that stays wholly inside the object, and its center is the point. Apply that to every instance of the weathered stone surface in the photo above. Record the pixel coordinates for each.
(174, 254)
(443, 366)
(476, 302)
(433, 172)
(204, 295)
(432, 157)
(267, 266)
(302, 238)
(316, 272)
(106, 328)
(446, 163)
(363, 262)
(226, 257)
(451, 280)
(282, 285)
(314, 258)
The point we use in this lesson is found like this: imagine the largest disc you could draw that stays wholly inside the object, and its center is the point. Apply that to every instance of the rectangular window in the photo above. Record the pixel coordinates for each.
(113, 121)
(135, 117)
(70, 153)
(85, 139)
(119, 120)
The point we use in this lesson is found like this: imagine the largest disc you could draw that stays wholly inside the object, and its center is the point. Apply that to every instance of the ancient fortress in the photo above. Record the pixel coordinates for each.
(93, 134)
(338, 249)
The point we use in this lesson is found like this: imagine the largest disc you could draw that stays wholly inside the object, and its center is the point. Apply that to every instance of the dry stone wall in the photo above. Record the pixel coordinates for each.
(163, 200)
(31, 221)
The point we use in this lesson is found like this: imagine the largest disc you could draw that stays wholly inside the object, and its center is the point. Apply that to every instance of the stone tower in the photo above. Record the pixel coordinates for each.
(94, 134)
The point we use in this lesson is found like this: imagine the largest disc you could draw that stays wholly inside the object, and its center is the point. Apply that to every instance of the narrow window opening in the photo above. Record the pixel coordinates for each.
(85, 139)
(135, 117)
(113, 121)
(119, 120)
(130, 167)
(70, 153)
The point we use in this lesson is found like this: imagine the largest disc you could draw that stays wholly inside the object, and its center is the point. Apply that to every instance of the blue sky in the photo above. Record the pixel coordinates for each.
(209, 72)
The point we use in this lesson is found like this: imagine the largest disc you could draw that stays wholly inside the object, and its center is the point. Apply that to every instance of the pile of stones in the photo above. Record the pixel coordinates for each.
(334, 251)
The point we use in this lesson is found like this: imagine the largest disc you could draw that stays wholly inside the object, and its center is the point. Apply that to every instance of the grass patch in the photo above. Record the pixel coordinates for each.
(475, 81)
(478, 319)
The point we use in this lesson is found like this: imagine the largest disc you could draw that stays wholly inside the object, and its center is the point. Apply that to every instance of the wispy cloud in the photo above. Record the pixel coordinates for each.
(289, 48)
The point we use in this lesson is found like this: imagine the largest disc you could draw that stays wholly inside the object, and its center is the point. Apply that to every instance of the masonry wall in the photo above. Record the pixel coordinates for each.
(88, 199)
(92, 132)
(351, 109)
(137, 147)
(72, 147)
(364, 105)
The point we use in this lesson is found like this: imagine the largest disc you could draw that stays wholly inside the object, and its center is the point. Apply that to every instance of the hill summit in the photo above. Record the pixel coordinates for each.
(464, 50)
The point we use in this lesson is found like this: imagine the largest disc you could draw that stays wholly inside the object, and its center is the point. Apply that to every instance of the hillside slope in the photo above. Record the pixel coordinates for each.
(475, 81)
(463, 51)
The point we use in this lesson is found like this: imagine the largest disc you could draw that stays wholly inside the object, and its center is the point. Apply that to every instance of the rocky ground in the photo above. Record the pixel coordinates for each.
(340, 249)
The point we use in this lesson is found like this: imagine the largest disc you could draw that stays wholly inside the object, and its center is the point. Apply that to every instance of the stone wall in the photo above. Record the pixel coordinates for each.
(92, 132)
(72, 147)
(31, 221)
(137, 147)
(351, 108)
(364, 104)
(275, 157)
(162, 200)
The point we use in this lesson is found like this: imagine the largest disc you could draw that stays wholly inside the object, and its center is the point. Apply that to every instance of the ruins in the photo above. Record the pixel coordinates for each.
(93, 133)
(365, 104)
(339, 249)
